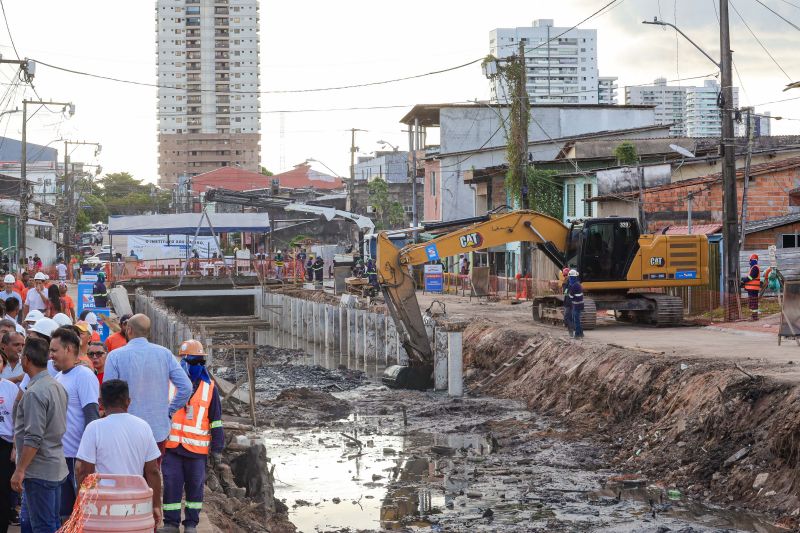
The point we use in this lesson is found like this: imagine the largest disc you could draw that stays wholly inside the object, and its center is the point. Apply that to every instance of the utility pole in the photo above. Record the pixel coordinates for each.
(749, 134)
(24, 192)
(353, 150)
(730, 228)
(69, 195)
(413, 146)
(522, 147)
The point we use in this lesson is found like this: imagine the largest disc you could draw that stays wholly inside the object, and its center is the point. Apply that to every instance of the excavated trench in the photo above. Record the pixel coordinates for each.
(704, 428)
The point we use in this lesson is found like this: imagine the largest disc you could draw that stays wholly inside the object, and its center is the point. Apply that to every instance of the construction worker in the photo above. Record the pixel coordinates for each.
(319, 269)
(99, 291)
(371, 273)
(567, 306)
(575, 297)
(310, 269)
(196, 431)
(752, 284)
(279, 265)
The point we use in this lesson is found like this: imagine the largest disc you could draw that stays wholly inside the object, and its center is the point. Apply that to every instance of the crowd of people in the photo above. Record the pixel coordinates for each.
(74, 407)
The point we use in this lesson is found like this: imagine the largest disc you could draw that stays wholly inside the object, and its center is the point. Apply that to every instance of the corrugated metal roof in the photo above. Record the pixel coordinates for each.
(697, 229)
(768, 223)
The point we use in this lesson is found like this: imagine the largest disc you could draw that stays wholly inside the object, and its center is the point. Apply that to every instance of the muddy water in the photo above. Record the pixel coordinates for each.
(473, 465)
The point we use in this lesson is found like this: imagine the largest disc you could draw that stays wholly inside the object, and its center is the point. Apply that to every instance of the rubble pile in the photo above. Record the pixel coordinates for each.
(708, 428)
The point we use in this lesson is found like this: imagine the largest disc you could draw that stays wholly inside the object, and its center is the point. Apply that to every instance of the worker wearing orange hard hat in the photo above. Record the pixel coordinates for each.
(196, 430)
(752, 284)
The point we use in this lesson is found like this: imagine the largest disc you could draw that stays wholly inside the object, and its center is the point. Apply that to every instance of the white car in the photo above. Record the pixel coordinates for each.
(98, 260)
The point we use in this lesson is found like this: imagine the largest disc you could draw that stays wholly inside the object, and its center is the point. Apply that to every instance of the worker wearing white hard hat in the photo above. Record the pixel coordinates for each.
(575, 296)
(9, 292)
(43, 328)
(32, 317)
(62, 319)
(37, 296)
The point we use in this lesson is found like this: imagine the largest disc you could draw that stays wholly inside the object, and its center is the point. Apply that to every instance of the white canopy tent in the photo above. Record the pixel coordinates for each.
(187, 224)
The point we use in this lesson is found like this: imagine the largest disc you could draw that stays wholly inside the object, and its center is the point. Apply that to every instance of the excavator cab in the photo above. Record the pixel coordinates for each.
(602, 249)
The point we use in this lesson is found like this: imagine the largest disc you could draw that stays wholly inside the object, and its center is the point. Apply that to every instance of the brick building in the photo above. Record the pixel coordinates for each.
(773, 191)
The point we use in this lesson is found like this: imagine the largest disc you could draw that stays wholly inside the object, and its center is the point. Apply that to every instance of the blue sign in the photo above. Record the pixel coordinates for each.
(85, 295)
(434, 278)
(686, 274)
(432, 252)
(103, 313)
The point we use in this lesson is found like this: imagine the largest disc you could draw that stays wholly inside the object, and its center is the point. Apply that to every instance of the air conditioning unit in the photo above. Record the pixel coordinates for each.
(370, 209)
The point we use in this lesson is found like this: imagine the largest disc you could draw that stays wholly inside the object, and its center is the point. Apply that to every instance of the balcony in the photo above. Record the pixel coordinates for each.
(193, 66)
(220, 10)
(223, 121)
(193, 99)
(221, 33)
(222, 77)
(193, 87)
(192, 21)
(223, 110)
(222, 55)
(222, 66)
(223, 99)
(192, 44)
(221, 21)
(193, 110)
(221, 44)
(192, 55)
(192, 33)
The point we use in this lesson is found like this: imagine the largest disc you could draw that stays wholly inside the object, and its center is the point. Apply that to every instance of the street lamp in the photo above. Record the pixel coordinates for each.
(385, 143)
(312, 160)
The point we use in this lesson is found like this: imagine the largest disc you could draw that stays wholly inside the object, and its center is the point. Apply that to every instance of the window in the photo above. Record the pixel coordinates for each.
(790, 240)
(571, 200)
(587, 206)
(433, 183)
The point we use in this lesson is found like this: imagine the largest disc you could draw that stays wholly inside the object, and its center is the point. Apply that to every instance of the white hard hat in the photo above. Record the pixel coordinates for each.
(91, 319)
(62, 319)
(34, 315)
(573, 273)
(45, 326)
(40, 276)
(9, 278)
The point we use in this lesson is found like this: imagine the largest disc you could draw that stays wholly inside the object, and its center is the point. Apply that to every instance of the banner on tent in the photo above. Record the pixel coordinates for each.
(171, 246)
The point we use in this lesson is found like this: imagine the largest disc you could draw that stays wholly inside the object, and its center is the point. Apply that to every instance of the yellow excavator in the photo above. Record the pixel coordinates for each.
(617, 266)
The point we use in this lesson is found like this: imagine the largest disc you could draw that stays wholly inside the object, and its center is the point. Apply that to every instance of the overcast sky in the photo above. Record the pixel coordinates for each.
(320, 44)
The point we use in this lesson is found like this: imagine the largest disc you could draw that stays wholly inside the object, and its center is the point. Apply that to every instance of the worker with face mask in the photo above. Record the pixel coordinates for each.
(195, 432)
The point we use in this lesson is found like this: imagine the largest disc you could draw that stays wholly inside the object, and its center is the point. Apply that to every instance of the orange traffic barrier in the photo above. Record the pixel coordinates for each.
(117, 503)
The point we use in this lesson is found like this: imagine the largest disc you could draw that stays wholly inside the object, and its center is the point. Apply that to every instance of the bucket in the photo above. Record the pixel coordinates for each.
(118, 503)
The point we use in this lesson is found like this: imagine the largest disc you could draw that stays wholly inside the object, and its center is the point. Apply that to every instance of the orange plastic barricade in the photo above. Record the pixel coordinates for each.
(108, 502)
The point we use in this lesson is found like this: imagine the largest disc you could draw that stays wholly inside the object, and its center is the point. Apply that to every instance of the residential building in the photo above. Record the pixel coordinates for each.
(670, 102)
(391, 167)
(302, 176)
(208, 96)
(561, 71)
(703, 118)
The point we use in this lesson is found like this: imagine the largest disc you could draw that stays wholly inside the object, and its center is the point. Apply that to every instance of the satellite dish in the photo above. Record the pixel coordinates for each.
(681, 150)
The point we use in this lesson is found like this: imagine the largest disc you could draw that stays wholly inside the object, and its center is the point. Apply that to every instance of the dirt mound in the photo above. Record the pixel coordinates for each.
(702, 426)
(303, 407)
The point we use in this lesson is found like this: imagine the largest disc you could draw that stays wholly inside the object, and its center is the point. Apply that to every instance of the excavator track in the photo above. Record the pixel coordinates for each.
(667, 311)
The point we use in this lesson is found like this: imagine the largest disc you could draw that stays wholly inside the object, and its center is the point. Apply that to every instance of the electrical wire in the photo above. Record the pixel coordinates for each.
(787, 21)
(746, 25)
(790, 3)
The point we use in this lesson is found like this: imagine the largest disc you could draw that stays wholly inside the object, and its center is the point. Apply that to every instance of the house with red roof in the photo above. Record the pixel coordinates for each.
(231, 178)
(302, 176)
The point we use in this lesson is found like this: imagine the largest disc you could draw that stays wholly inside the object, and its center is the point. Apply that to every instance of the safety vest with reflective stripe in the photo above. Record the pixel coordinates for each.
(192, 433)
(753, 281)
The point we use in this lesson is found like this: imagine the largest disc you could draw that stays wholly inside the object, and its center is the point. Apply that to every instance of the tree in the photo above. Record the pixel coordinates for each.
(122, 194)
(545, 195)
(626, 153)
(266, 172)
(389, 213)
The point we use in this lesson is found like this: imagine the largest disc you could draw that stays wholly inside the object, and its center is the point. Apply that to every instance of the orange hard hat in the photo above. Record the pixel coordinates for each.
(191, 347)
(754, 256)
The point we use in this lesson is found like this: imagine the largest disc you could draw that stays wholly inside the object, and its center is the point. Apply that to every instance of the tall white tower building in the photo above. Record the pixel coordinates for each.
(563, 71)
(208, 96)
(670, 102)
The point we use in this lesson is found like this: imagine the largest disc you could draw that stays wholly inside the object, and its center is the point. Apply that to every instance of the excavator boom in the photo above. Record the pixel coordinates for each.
(394, 265)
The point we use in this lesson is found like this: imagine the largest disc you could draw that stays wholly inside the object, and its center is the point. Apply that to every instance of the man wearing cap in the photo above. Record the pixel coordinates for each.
(196, 431)
(8, 286)
(85, 334)
(752, 284)
(118, 339)
(37, 298)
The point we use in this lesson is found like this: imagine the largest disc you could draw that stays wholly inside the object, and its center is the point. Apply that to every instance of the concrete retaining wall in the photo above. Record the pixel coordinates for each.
(166, 328)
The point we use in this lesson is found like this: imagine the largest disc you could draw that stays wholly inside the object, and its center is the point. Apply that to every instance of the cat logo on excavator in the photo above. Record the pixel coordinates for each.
(471, 240)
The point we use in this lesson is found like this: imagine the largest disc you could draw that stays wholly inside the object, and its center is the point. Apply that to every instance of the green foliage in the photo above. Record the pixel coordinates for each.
(122, 194)
(519, 118)
(296, 240)
(82, 222)
(389, 213)
(626, 153)
(94, 209)
(545, 195)
(266, 172)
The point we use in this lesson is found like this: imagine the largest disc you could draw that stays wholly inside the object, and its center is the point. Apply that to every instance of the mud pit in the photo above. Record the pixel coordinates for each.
(477, 464)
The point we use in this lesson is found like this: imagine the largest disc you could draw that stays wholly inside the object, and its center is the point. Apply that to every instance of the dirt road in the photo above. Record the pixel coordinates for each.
(750, 348)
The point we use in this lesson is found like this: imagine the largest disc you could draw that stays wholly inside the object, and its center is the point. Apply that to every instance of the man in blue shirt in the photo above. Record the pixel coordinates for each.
(149, 368)
(575, 297)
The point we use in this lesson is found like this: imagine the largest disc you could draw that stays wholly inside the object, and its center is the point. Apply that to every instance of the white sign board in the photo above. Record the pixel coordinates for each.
(171, 246)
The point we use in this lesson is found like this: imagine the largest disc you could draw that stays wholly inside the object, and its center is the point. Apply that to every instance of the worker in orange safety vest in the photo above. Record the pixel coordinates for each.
(752, 284)
(196, 430)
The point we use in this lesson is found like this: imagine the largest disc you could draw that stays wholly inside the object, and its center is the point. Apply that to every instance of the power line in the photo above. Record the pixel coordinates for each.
(790, 3)
(789, 22)
(8, 28)
(746, 25)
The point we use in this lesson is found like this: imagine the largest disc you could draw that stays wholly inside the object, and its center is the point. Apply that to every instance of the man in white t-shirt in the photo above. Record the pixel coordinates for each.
(61, 268)
(9, 394)
(83, 393)
(120, 443)
(37, 296)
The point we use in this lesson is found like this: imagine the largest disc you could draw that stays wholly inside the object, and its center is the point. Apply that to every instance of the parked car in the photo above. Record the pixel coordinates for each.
(98, 260)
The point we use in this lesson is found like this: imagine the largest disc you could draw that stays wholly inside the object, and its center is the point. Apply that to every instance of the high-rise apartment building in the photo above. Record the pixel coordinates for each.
(561, 71)
(670, 102)
(703, 118)
(208, 96)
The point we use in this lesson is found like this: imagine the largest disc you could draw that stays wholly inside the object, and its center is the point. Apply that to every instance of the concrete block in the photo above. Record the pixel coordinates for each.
(455, 364)
(370, 341)
(440, 360)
